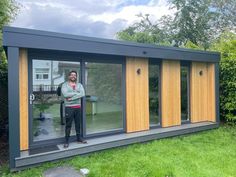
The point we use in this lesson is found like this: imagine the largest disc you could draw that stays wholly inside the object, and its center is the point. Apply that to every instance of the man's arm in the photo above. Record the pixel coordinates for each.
(79, 94)
(65, 91)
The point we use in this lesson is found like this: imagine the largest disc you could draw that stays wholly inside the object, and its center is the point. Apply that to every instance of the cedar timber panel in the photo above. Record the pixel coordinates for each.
(202, 91)
(137, 96)
(23, 90)
(170, 93)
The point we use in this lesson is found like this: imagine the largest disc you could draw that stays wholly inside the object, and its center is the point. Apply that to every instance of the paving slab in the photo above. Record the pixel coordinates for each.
(62, 172)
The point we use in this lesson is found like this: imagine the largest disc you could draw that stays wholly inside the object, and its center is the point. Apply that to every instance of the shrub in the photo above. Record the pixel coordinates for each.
(228, 89)
(226, 44)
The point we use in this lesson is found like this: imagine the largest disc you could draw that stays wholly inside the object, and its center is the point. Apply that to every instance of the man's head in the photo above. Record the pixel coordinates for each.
(72, 76)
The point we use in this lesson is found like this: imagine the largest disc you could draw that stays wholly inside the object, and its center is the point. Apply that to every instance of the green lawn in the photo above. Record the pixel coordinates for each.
(206, 154)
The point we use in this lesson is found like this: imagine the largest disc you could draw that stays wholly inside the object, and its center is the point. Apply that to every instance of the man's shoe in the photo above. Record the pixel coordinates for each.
(82, 141)
(66, 145)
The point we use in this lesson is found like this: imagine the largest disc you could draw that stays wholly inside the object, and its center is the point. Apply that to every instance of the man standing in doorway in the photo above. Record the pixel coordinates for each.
(72, 93)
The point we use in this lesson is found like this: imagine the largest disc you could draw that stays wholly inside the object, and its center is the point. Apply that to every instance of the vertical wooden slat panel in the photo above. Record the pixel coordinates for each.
(130, 94)
(202, 91)
(170, 93)
(211, 93)
(198, 92)
(137, 104)
(23, 86)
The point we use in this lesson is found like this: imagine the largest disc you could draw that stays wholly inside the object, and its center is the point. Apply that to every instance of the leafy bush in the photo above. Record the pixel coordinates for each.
(228, 89)
(226, 44)
(3, 102)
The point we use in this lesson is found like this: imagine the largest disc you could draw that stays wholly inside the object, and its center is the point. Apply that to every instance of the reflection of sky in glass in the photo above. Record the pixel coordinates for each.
(57, 71)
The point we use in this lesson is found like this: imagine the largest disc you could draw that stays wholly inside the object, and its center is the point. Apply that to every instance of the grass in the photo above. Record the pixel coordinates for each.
(206, 154)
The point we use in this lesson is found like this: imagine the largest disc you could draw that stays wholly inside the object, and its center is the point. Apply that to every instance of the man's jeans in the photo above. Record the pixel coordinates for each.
(70, 114)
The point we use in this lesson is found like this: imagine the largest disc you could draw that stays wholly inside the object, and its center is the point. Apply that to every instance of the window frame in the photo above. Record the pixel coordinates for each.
(123, 98)
(186, 64)
(156, 61)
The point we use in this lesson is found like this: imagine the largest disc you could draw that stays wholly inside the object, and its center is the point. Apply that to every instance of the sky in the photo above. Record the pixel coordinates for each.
(94, 18)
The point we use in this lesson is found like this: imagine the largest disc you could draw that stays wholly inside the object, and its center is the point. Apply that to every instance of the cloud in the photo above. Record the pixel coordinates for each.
(156, 9)
(98, 18)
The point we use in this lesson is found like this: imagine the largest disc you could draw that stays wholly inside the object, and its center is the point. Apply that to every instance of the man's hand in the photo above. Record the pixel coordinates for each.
(68, 99)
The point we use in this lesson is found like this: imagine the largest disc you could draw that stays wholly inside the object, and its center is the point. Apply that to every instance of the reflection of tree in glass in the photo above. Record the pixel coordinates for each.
(153, 89)
(42, 102)
(104, 81)
(184, 93)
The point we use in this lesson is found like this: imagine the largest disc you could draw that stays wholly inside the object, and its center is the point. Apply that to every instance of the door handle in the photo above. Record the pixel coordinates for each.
(31, 98)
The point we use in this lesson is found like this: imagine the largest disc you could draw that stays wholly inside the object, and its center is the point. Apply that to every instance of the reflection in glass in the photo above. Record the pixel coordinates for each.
(103, 85)
(46, 76)
(184, 93)
(154, 94)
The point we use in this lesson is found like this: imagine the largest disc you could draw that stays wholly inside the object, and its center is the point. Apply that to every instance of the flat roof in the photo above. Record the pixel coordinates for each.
(37, 39)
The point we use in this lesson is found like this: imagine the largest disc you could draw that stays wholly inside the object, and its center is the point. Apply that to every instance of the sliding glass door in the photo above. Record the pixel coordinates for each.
(47, 108)
(104, 107)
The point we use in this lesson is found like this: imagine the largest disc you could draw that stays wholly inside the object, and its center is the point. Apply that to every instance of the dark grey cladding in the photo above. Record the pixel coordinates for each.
(35, 39)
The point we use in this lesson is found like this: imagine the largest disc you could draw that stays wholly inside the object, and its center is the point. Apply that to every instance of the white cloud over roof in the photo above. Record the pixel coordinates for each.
(98, 18)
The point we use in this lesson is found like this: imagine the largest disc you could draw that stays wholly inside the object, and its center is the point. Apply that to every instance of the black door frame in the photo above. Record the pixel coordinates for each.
(107, 59)
(31, 57)
(73, 57)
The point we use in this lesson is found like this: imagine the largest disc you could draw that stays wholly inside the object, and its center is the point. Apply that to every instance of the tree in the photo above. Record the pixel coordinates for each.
(225, 15)
(192, 22)
(202, 21)
(8, 11)
(197, 22)
(145, 32)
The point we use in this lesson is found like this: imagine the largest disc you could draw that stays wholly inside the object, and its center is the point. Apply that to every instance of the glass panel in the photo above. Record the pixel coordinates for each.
(38, 76)
(103, 97)
(41, 70)
(184, 93)
(154, 94)
(47, 75)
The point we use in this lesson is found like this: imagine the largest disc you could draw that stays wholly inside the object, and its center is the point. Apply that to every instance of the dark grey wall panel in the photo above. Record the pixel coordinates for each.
(217, 89)
(13, 104)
